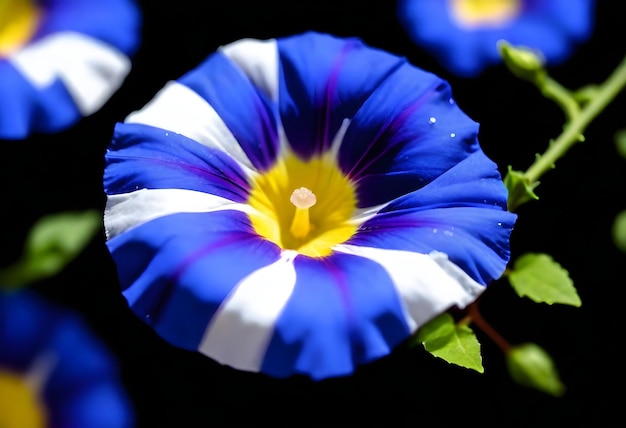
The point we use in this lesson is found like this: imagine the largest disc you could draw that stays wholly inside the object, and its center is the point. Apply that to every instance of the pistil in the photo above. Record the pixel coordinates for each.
(303, 199)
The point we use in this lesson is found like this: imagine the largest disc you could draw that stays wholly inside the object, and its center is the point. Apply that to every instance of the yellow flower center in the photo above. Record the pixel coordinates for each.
(305, 206)
(18, 22)
(19, 404)
(480, 13)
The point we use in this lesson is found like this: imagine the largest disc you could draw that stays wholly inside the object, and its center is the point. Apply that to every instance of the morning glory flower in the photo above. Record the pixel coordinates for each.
(61, 60)
(53, 371)
(301, 205)
(463, 34)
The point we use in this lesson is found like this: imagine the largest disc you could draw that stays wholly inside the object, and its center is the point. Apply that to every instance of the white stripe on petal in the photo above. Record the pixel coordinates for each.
(127, 210)
(179, 109)
(364, 214)
(241, 329)
(338, 138)
(90, 69)
(428, 284)
(258, 59)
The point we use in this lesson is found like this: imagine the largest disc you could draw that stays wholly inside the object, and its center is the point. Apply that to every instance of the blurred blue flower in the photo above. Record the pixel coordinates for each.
(61, 60)
(301, 206)
(462, 34)
(53, 371)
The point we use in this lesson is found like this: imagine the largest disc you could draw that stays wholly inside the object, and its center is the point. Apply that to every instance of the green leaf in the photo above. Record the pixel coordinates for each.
(52, 243)
(529, 365)
(620, 142)
(456, 344)
(618, 231)
(543, 280)
(520, 189)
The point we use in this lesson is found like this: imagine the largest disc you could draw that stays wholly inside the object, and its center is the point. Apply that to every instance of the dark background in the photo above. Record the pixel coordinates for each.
(571, 221)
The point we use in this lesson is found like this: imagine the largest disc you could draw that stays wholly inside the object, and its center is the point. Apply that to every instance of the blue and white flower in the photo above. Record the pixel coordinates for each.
(61, 60)
(53, 371)
(463, 34)
(301, 206)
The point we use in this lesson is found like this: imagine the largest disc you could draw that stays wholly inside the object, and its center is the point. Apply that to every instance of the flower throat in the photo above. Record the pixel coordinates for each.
(18, 22)
(304, 205)
(19, 404)
(485, 13)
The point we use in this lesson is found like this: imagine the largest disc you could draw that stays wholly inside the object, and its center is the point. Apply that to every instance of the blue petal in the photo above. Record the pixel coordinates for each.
(462, 214)
(344, 312)
(324, 80)
(146, 157)
(24, 108)
(245, 109)
(72, 65)
(428, 23)
(94, 406)
(552, 27)
(83, 388)
(31, 323)
(474, 181)
(484, 235)
(80, 389)
(537, 27)
(399, 142)
(176, 270)
(116, 22)
(576, 18)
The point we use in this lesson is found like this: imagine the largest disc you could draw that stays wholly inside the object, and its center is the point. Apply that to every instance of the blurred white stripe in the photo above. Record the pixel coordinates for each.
(90, 69)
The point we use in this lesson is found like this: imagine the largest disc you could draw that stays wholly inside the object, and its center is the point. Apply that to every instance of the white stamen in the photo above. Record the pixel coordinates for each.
(303, 198)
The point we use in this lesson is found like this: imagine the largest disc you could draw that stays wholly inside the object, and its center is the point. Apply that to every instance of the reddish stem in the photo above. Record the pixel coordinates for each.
(476, 317)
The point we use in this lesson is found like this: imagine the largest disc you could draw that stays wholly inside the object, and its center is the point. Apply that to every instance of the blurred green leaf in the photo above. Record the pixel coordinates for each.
(620, 142)
(519, 188)
(52, 243)
(618, 231)
(529, 365)
(543, 280)
(456, 344)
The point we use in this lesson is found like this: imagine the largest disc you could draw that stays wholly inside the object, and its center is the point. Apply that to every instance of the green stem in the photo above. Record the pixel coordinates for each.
(553, 90)
(572, 132)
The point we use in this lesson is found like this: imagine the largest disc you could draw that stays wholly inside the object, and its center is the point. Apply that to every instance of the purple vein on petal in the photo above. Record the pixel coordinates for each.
(389, 128)
(235, 179)
(356, 342)
(172, 282)
(268, 155)
(331, 90)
